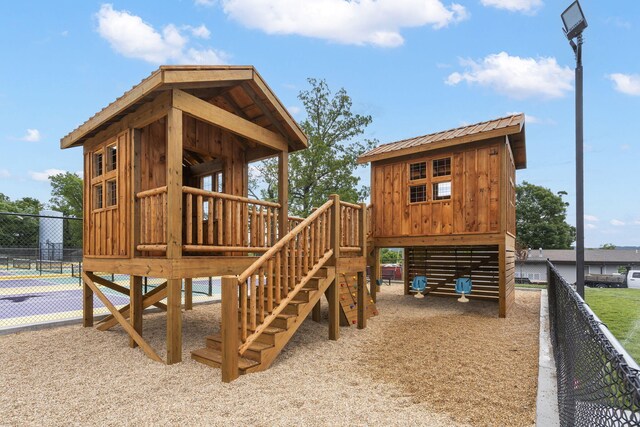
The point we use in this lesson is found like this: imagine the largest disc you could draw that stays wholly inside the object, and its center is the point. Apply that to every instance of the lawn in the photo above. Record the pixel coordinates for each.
(619, 309)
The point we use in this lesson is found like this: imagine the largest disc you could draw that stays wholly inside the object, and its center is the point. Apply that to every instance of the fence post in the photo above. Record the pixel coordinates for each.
(230, 342)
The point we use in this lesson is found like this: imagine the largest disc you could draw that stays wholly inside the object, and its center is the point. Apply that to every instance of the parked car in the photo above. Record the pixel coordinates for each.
(629, 280)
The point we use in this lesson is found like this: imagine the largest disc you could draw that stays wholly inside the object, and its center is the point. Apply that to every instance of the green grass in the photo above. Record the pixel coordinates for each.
(532, 285)
(619, 309)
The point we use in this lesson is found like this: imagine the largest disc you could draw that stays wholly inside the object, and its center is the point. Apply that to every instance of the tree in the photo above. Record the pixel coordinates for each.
(387, 256)
(608, 246)
(18, 231)
(66, 192)
(328, 165)
(66, 197)
(541, 218)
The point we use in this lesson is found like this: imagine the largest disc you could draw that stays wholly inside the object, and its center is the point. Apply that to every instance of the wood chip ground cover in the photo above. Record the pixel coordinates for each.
(432, 362)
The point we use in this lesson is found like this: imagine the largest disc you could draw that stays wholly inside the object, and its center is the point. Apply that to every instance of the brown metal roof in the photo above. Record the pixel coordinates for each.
(513, 126)
(188, 77)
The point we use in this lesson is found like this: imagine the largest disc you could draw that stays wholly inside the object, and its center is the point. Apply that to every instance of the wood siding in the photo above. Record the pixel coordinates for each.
(104, 234)
(474, 206)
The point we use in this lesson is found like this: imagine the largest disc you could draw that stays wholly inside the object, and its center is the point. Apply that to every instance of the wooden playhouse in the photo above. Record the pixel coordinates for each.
(448, 199)
(166, 196)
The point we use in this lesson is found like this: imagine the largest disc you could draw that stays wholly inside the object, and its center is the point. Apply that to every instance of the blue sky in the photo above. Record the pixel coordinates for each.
(416, 66)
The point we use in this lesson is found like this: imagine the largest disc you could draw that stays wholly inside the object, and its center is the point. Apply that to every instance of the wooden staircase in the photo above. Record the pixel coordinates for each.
(262, 352)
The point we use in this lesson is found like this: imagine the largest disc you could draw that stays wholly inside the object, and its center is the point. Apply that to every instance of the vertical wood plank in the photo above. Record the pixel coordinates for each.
(210, 222)
(334, 310)
(189, 215)
(200, 219)
(243, 308)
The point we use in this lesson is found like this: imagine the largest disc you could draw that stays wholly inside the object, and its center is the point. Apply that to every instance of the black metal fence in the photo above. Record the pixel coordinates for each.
(598, 382)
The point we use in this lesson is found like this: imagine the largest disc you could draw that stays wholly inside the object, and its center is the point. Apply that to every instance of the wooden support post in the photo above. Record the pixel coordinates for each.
(405, 274)
(230, 343)
(502, 284)
(174, 184)
(362, 301)
(283, 194)
(336, 231)
(333, 297)
(375, 274)
(136, 185)
(174, 321)
(188, 293)
(316, 314)
(135, 307)
(87, 305)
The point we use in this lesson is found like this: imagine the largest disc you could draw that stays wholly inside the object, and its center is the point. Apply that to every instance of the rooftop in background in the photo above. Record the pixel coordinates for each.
(246, 93)
(510, 126)
(603, 256)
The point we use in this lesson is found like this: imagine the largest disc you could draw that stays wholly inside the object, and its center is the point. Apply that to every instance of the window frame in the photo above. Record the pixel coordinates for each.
(430, 180)
(107, 177)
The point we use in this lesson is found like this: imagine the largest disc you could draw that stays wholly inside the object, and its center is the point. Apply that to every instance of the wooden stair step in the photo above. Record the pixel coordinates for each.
(254, 346)
(212, 357)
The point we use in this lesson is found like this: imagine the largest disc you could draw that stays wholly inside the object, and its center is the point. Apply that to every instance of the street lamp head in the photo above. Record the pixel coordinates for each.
(574, 20)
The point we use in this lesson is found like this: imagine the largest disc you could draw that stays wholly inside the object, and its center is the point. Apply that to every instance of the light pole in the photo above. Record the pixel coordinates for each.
(574, 23)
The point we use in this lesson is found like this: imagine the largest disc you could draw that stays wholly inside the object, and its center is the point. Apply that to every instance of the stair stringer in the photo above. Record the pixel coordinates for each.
(269, 355)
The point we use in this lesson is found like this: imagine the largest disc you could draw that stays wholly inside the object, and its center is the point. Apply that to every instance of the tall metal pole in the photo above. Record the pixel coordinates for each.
(579, 174)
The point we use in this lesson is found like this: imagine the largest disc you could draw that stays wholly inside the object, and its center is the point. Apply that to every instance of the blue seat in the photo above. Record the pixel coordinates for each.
(419, 284)
(463, 285)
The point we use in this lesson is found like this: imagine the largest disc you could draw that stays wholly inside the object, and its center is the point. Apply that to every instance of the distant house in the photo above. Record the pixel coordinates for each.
(597, 261)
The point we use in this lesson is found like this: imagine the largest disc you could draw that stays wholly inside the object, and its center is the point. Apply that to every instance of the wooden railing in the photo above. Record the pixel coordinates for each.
(153, 224)
(351, 216)
(272, 281)
(219, 222)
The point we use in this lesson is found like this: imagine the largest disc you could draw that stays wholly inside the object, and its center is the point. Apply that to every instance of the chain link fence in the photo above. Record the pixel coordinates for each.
(41, 267)
(598, 382)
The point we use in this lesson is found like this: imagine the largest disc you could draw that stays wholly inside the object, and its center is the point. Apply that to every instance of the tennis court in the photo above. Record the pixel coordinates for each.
(32, 297)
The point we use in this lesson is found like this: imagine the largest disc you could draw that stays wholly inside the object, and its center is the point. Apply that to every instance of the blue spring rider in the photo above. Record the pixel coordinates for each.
(463, 286)
(418, 285)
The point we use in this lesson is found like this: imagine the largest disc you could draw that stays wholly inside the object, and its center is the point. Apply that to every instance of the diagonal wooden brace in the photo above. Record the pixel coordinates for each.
(150, 298)
(148, 350)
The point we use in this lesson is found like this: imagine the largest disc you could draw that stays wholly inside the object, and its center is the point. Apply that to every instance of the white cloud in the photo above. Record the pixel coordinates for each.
(616, 222)
(205, 2)
(526, 6)
(130, 36)
(618, 22)
(591, 226)
(44, 176)
(32, 135)
(363, 22)
(637, 222)
(201, 32)
(625, 147)
(629, 84)
(517, 77)
(294, 110)
(4, 173)
(591, 218)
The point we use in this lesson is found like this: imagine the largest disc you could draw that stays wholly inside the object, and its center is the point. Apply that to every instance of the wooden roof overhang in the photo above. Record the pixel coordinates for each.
(512, 127)
(245, 106)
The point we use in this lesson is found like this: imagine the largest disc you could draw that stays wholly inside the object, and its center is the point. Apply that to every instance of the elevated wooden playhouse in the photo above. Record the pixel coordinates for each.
(165, 195)
(448, 199)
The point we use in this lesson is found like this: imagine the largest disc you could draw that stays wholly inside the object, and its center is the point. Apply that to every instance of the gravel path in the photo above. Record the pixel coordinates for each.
(431, 362)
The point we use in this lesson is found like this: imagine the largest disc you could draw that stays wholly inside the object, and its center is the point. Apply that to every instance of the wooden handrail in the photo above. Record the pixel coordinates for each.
(350, 205)
(152, 192)
(286, 239)
(283, 303)
(200, 192)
